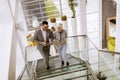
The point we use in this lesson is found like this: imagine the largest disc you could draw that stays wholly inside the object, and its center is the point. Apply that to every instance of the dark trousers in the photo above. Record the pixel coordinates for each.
(45, 54)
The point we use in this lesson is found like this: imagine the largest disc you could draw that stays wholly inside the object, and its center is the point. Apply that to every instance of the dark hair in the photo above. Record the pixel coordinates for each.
(44, 22)
(53, 28)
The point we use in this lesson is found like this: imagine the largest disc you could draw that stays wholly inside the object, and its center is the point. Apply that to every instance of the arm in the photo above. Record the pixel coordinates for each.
(66, 34)
(56, 41)
(64, 40)
(35, 38)
(51, 36)
(54, 37)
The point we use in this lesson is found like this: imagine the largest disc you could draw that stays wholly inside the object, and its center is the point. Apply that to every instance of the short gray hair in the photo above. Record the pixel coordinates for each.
(60, 24)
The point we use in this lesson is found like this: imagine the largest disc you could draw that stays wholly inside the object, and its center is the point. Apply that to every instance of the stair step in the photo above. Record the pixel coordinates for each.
(43, 10)
(60, 71)
(29, 1)
(56, 68)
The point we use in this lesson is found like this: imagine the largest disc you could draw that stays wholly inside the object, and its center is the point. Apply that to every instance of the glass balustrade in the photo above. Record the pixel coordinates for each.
(109, 65)
(77, 57)
(83, 56)
(86, 62)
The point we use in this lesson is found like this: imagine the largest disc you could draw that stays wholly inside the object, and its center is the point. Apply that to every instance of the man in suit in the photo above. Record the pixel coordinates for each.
(60, 37)
(42, 36)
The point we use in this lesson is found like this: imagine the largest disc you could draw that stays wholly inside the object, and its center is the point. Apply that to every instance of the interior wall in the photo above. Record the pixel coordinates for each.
(90, 6)
(6, 28)
(108, 10)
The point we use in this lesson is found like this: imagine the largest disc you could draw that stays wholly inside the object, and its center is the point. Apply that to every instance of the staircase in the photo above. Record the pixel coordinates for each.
(78, 70)
(38, 9)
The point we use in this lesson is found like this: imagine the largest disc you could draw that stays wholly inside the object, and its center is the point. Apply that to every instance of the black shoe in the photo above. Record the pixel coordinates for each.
(48, 67)
(67, 63)
(62, 63)
(49, 54)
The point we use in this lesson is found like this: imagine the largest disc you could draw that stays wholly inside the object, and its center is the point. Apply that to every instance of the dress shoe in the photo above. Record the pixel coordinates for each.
(49, 54)
(62, 63)
(48, 67)
(67, 63)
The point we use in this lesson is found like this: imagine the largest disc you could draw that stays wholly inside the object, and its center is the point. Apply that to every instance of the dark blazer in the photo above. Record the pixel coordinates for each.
(38, 36)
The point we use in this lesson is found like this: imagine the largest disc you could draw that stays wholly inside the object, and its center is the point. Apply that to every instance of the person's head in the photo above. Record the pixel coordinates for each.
(60, 27)
(52, 29)
(44, 25)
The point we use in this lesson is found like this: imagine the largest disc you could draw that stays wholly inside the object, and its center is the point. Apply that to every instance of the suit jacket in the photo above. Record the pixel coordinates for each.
(38, 36)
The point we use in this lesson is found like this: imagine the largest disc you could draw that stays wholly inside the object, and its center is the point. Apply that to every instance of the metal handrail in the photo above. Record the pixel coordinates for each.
(102, 50)
(21, 74)
(74, 36)
(94, 76)
(25, 67)
(26, 62)
(92, 43)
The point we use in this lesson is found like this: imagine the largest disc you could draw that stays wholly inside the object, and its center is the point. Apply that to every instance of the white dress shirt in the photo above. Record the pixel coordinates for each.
(44, 34)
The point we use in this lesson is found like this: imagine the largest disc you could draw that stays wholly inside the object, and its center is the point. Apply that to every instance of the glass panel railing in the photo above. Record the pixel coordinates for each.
(73, 46)
(92, 54)
(109, 65)
(20, 62)
(30, 59)
(77, 57)
(77, 68)
(82, 55)
(55, 63)
(25, 76)
(104, 63)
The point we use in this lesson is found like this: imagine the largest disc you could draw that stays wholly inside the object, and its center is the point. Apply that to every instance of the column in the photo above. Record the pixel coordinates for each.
(83, 17)
(61, 13)
(100, 23)
(12, 62)
(117, 41)
(83, 29)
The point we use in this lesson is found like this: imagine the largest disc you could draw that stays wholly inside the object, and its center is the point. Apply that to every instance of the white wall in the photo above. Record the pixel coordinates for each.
(22, 36)
(6, 25)
(92, 6)
(6, 28)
